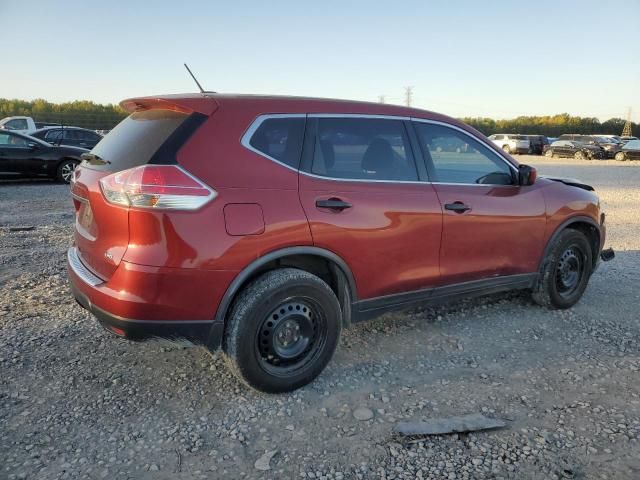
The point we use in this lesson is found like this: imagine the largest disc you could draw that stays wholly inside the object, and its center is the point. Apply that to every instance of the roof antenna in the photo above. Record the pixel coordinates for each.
(202, 90)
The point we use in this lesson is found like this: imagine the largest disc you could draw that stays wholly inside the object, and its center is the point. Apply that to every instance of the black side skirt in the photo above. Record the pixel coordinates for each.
(374, 307)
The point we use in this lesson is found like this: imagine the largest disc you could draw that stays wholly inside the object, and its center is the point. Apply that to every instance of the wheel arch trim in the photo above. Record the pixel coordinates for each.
(248, 271)
(563, 226)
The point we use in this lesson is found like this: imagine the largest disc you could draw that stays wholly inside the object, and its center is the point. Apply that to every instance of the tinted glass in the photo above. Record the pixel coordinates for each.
(363, 149)
(135, 139)
(458, 158)
(281, 139)
(72, 135)
(17, 124)
(53, 135)
(6, 139)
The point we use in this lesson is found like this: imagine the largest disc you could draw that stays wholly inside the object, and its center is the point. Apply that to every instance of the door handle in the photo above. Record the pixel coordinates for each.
(457, 207)
(333, 204)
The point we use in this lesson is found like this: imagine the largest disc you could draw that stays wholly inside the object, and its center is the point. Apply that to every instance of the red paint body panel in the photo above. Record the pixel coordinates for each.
(177, 265)
(390, 238)
(502, 234)
(101, 233)
(156, 293)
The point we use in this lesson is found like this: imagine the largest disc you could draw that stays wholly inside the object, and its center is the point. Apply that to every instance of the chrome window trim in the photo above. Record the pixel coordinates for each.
(80, 270)
(259, 120)
(358, 115)
(246, 138)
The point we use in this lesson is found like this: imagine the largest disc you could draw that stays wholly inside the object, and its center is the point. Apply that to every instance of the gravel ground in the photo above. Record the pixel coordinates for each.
(76, 402)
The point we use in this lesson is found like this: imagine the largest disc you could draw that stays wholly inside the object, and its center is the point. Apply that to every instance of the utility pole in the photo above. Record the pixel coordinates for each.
(626, 131)
(408, 95)
(381, 99)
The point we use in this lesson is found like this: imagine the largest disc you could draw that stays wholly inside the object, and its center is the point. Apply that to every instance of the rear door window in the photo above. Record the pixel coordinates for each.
(279, 138)
(135, 140)
(363, 149)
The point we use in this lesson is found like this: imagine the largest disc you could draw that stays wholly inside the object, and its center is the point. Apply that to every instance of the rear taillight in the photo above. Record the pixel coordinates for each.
(156, 187)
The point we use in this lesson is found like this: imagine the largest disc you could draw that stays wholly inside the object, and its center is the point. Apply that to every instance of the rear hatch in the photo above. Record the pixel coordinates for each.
(102, 227)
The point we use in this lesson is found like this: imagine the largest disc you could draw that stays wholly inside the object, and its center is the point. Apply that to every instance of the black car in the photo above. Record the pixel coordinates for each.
(25, 156)
(608, 145)
(73, 136)
(577, 150)
(537, 144)
(630, 151)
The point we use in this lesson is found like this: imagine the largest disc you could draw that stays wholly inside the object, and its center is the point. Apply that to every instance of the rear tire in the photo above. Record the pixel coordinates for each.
(282, 330)
(548, 153)
(506, 148)
(578, 155)
(65, 170)
(565, 271)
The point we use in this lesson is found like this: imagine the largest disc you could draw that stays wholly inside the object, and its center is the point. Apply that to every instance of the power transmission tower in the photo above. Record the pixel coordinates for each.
(408, 95)
(381, 99)
(626, 131)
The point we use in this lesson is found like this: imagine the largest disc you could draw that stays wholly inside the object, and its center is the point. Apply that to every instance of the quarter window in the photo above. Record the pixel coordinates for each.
(363, 149)
(280, 139)
(456, 157)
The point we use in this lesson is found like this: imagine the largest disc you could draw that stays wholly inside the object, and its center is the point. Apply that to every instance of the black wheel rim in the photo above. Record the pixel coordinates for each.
(569, 270)
(291, 336)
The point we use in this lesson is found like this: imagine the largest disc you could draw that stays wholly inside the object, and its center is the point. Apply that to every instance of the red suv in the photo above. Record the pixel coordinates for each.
(265, 225)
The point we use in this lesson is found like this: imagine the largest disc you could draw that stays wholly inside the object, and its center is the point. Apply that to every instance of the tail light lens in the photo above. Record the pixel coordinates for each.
(162, 187)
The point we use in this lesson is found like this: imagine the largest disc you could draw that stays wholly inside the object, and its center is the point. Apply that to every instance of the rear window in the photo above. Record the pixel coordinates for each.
(136, 139)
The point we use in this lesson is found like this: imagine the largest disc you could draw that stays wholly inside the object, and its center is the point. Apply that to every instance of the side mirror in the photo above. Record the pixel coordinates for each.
(526, 175)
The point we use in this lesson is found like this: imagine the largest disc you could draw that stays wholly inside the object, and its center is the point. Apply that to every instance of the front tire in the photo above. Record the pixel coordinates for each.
(578, 155)
(506, 148)
(548, 154)
(620, 156)
(565, 271)
(65, 170)
(282, 330)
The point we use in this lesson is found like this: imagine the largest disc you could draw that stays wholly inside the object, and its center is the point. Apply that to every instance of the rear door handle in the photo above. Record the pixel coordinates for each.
(457, 207)
(333, 204)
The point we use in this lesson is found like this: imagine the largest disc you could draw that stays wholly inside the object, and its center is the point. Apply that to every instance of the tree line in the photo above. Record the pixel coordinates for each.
(83, 113)
(550, 125)
(80, 113)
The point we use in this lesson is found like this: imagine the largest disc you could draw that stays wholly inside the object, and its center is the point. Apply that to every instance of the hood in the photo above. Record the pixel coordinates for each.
(571, 182)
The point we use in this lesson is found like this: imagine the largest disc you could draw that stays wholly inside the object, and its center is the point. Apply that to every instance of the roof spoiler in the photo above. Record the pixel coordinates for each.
(191, 103)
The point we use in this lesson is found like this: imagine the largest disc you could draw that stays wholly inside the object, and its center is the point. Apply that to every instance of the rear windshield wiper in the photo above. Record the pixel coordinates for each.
(94, 159)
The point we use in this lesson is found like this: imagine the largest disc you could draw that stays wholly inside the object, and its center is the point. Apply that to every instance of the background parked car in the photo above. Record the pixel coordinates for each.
(609, 146)
(511, 143)
(18, 124)
(577, 150)
(537, 144)
(630, 151)
(628, 139)
(73, 136)
(25, 156)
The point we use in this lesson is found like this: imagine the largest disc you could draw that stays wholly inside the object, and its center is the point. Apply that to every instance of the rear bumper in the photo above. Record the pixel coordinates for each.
(141, 302)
